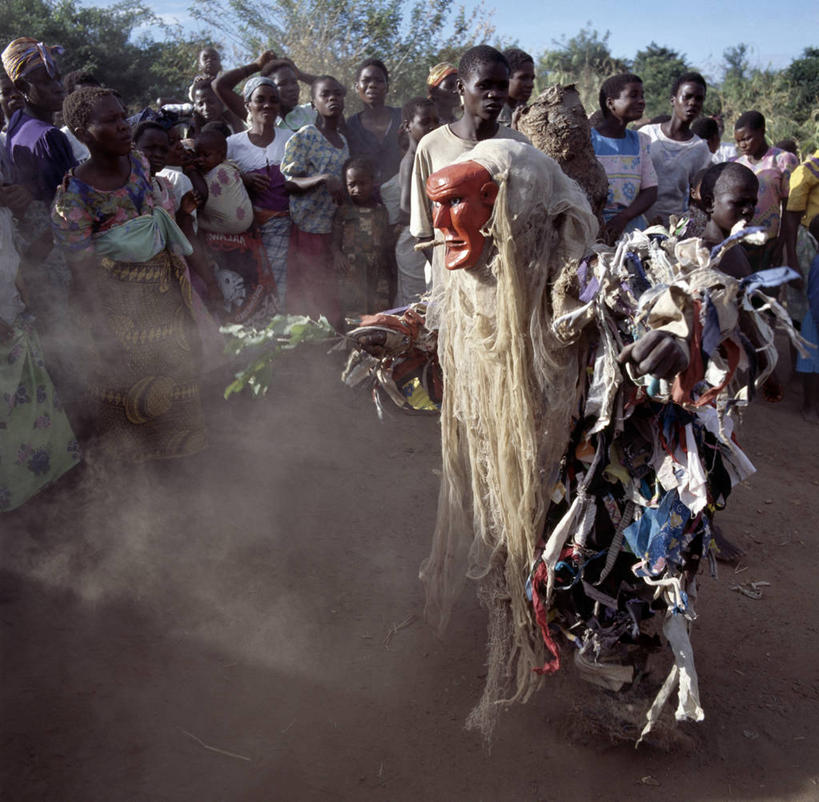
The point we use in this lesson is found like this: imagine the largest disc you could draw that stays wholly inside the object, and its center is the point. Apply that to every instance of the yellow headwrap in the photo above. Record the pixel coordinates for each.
(439, 72)
(25, 54)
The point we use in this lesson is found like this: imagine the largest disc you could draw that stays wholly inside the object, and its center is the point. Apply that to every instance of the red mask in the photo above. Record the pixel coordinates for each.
(462, 196)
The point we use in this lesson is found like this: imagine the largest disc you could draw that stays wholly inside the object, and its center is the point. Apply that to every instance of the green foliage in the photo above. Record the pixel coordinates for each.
(106, 41)
(802, 77)
(585, 60)
(787, 98)
(261, 346)
(659, 67)
(333, 36)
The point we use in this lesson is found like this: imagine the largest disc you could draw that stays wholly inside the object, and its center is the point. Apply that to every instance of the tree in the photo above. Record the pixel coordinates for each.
(659, 67)
(104, 41)
(332, 36)
(802, 77)
(585, 60)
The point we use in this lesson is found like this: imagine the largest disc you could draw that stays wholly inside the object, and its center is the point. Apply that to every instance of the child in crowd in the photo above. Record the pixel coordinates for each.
(442, 89)
(773, 168)
(361, 240)
(483, 84)
(178, 159)
(312, 169)
(728, 194)
(677, 153)
(231, 239)
(706, 128)
(624, 155)
(419, 116)
(809, 366)
(228, 209)
(697, 218)
(521, 84)
(208, 108)
(151, 139)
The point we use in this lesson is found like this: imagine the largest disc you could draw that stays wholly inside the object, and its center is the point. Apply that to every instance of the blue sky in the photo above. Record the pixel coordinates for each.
(776, 33)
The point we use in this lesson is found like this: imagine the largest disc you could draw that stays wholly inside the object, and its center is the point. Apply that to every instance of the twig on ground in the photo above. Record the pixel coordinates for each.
(215, 748)
(396, 628)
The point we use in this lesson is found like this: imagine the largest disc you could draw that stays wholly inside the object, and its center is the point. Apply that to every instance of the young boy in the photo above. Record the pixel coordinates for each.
(361, 238)
(483, 83)
(521, 83)
(728, 193)
(772, 167)
(419, 116)
(677, 153)
(707, 130)
(228, 209)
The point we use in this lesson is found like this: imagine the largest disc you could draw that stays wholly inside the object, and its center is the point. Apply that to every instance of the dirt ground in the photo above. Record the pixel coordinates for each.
(246, 625)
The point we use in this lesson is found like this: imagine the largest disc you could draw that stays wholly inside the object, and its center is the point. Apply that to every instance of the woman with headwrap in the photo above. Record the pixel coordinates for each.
(39, 155)
(258, 152)
(442, 89)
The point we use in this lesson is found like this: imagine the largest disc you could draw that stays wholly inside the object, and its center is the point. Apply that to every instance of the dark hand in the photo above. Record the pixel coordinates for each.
(16, 197)
(255, 182)
(659, 353)
(372, 343)
(613, 230)
(335, 188)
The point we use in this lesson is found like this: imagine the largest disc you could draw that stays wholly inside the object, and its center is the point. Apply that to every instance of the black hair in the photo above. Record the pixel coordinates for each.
(372, 62)
(148, 125)
(76, 78)
(789, 144)
(199, 83)
(705, 127)
(321, 79)
(358, 163)
(713, 174)
(517, 58)
(413, 105)
(688, 78)
(476, 57)
(750, 119)
(80, 104)
(660, 118)
(217, 126)
(612, 87)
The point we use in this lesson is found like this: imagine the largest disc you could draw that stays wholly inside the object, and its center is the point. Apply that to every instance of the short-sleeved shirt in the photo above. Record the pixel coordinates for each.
(384, 154)
(308, 153)
(250, 158)
(628, 167)
(80, 211)
(180, 184)
(773, 171)
(39, 153)
(803, 194)
(676, 164)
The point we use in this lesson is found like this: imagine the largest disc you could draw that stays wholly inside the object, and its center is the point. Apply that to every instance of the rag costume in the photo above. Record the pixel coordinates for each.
(580, 498)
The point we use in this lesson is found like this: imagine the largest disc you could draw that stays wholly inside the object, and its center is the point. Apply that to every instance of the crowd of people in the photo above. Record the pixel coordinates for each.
(128, 239)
